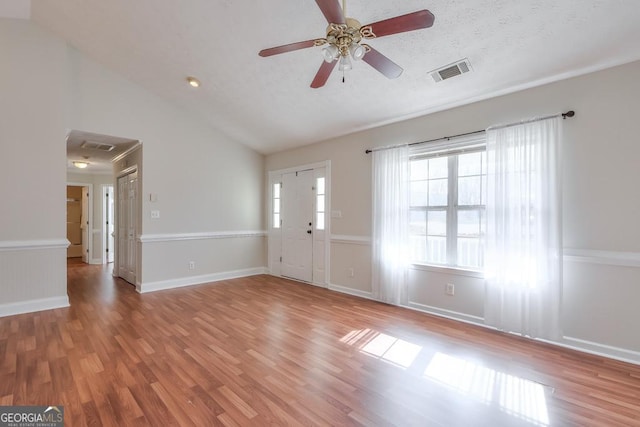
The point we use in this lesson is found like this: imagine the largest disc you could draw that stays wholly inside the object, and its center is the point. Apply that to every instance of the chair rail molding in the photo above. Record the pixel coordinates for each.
(591, 256)
(26, 245)
(170, 237)
(350, 239)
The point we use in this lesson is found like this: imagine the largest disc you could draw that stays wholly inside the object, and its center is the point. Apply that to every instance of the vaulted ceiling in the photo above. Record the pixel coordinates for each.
(267, 104)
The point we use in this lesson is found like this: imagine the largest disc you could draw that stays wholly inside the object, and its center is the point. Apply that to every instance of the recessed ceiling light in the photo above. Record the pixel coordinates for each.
(193, 81)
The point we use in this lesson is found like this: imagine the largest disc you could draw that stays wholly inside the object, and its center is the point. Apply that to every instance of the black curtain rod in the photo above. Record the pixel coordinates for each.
(569, 113)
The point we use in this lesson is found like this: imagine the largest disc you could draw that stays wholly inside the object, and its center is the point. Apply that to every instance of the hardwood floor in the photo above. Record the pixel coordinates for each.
(265, 351)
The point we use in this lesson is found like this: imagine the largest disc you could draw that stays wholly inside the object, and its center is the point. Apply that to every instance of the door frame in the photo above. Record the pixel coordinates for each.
(90, 216)
(274, 238)
(104, 228)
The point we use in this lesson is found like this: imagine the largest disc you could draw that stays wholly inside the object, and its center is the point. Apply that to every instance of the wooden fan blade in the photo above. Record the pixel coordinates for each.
(323, 74)
(331, 10)
(287, 48)
(403, 23)
(383, 64)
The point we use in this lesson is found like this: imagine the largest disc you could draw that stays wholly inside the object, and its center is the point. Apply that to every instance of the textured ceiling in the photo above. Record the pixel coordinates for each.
(267, 104)
(80, 147)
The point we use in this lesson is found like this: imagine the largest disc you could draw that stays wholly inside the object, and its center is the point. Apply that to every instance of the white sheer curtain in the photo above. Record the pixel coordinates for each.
(524, 241)
(390, 224)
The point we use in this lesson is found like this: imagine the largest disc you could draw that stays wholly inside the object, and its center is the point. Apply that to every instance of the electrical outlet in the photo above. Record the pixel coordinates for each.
(351, 272)
(155, 214)
(450, 289)
(192, 265)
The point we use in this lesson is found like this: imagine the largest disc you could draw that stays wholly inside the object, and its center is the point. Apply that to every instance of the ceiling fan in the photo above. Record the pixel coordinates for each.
(344, 40)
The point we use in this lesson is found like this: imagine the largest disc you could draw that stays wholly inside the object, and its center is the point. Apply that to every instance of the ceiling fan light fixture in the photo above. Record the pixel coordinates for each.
(357, 51)
(330, 53)
(345, 64)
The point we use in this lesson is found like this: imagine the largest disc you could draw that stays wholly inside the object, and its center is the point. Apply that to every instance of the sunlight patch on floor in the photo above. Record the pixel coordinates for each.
(385, 347)
(516, 396)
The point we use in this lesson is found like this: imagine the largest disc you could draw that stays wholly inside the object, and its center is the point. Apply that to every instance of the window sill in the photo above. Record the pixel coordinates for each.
(458, 271)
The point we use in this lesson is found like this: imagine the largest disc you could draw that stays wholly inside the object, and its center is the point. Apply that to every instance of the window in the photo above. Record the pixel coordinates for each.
(320, 202)
(447, 207)
(276, 205)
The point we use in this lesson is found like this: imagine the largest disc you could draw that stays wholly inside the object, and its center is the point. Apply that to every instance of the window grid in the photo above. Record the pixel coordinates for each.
(276, 205)
(320, 203)
(447, 222)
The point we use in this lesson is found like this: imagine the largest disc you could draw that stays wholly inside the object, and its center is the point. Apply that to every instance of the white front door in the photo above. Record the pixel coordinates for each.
(127, 226)
(297, 225)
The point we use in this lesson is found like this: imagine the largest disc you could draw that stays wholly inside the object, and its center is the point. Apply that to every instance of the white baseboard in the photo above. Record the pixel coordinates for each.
(30, 306)
(198, 280)
(351, 291)
(603, 350)
(449, 314)
(577, 344)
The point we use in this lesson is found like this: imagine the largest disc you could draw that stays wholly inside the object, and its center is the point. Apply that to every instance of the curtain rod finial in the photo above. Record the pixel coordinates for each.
(569, 113)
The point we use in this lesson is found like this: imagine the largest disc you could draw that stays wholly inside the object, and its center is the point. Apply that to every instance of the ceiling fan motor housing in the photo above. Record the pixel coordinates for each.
(343, 36)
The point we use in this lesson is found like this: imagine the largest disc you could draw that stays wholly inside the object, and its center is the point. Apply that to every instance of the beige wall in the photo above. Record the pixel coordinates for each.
(601, 206)
(32, 79)
(205, 182)
(32, 169)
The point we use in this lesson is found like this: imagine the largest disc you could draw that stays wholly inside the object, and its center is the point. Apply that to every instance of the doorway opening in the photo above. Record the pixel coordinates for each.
(99, 161)
(79, 221)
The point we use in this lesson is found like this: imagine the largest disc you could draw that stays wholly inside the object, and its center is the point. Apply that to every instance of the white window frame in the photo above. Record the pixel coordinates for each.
(451, 148)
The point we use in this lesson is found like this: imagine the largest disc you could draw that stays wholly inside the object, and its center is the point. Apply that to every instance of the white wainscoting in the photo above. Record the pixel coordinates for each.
(216, 255)
(34, 275)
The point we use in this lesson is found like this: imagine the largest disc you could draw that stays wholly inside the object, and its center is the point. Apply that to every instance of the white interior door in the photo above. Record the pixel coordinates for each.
(297, 225)
(127, 226)
(84, 224)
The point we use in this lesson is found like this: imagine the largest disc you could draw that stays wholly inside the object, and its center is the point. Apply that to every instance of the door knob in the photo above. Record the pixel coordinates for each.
(308, 231)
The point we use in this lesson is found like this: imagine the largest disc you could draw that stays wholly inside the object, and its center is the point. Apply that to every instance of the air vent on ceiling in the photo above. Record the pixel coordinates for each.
(92, 145)
(451, 70)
